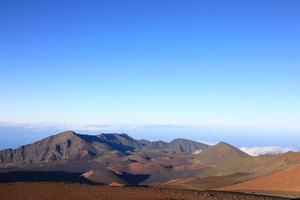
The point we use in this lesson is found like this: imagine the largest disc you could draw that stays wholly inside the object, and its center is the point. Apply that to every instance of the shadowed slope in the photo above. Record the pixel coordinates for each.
(39, 176)
(120, 142)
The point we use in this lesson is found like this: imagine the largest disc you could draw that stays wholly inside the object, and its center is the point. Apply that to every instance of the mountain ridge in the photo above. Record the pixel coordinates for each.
(70, 145)
(118, 159)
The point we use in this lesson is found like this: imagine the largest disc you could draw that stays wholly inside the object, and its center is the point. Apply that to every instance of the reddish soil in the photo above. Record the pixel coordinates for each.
(287, 180)
(57, 191)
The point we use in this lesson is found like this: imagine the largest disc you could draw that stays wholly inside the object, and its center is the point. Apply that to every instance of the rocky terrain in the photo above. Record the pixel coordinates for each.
(120, 160)
(61, 191)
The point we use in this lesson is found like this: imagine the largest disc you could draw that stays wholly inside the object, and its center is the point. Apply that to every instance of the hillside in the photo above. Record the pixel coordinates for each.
(238, 170)
(69, 146)
(98, 157)
(66, 146)
(254, 166)
(287, 180)
(119, 159)
(187, 146)
(207, 183)
(220, 153)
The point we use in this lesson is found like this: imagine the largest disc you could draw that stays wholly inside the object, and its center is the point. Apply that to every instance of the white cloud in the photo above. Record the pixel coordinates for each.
(270, 150)
(197, 152)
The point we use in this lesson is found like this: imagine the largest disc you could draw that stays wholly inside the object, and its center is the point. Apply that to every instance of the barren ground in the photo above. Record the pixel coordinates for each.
(287, 180)
(57, 191)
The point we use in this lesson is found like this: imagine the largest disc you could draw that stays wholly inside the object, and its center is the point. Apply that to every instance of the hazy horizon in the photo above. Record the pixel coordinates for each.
(253, 141)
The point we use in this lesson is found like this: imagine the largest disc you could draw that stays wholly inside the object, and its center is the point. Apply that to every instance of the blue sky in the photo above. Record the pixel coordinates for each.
(232, 63)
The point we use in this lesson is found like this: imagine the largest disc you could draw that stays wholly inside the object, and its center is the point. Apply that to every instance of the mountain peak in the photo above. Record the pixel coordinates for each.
(65, 146)
(225, 147)
(222, 143)
(220, 153)
(187, 146)
(67, 133)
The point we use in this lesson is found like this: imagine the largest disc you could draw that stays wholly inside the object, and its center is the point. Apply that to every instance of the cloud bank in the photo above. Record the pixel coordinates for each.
(270, 150)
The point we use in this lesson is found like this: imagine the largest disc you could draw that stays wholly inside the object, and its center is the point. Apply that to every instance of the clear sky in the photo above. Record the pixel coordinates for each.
(151, 62)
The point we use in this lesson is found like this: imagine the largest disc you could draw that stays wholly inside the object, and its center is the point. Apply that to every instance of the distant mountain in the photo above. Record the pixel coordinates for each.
(118, 159)
(101, 156)
(123, 143)
(156, 145)
(220, 153)
(187, 146)
(181, 145)
(120, 142)
(65, 146)
(70, 146)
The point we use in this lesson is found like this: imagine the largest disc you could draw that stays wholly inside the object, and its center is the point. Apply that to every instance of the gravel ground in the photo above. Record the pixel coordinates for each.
(63, 191)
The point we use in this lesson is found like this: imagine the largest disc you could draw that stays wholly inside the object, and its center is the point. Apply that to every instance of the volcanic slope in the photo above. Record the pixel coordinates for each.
(287, 180)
